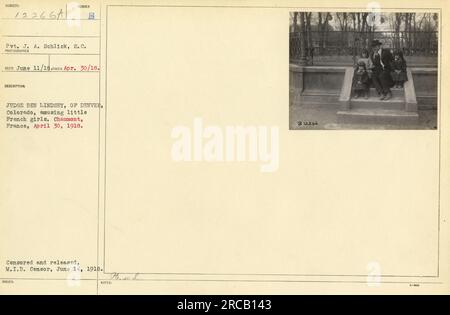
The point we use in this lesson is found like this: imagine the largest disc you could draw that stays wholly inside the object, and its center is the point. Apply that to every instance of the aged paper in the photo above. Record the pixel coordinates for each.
(224, 147)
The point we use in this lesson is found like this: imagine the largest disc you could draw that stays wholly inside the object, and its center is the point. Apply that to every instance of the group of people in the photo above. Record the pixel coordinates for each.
(381, 69)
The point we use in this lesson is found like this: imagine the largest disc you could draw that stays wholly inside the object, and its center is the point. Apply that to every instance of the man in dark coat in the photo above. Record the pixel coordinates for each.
(381, 69)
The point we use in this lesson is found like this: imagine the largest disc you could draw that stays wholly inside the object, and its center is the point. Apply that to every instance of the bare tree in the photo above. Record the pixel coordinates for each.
(342, 18)
(309, 34)
(295, 18)
(303, 42)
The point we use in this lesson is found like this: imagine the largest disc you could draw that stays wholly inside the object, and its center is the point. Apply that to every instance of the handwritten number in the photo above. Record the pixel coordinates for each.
(54, 15)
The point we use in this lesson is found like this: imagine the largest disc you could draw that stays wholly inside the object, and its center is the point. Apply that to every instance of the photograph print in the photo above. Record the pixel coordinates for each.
(363, 70)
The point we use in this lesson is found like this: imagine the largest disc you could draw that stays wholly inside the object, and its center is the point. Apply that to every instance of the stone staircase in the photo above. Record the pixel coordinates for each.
(400, 109)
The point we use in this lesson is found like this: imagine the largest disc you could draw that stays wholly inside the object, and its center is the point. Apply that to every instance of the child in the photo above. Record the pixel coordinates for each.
(366, 60)
(399, 70)
(361, 81)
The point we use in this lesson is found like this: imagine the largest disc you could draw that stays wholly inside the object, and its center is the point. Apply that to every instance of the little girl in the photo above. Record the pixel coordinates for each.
(361, 81)
(399, 70)
(366, 60)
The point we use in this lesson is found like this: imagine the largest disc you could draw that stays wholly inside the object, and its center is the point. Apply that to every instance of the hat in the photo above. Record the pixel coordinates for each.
(361, 64)
(376, 42)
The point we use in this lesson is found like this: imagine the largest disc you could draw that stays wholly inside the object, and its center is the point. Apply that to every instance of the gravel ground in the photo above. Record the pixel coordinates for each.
(324, 117)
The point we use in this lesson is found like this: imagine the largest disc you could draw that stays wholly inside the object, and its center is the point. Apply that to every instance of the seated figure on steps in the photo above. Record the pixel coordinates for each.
(361, 81)
(381, 59)
(399, 70)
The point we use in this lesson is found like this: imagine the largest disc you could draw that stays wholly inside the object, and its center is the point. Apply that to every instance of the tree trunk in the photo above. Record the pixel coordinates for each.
(413, 44)
(320, 32)
(295, 21)
(303, 43)
(309, 35)
(398, 20)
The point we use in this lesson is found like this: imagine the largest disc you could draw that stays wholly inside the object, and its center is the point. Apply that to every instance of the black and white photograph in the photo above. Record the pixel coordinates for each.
(363, 70)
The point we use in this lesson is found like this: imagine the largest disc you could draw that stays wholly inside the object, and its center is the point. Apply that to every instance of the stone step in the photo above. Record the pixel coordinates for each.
(377, 116)
(396, 92)
(374, 102)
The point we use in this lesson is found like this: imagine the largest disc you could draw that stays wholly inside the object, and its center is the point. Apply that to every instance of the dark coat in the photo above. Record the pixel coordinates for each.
(396, 66)
(386, 57)
(360, 81)
(382, 75)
